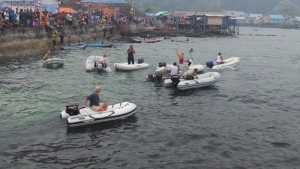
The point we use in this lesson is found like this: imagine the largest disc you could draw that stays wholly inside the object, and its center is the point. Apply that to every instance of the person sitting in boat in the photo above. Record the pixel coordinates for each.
(130, 53)
(191, 76)
(175, 74)
(195, 72)
(189, 62)
(103, 61)
(220, 59)
(94, 100)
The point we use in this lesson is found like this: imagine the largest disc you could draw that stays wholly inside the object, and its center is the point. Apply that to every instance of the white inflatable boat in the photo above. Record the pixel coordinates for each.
(53, 63)
(130, 67)
(81, 117)
(230, 63)
(92, 65)
(202, 80)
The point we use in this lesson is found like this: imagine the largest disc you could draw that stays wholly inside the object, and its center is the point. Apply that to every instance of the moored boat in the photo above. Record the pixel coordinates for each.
(97, 45)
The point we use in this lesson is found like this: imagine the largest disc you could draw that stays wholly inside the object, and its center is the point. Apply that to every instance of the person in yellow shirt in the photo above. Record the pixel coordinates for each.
(47, 55)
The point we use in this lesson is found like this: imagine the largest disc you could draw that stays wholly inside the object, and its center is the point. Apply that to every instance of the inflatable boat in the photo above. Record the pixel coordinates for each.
(153, 40)
(135, 40)
(202, 80)
(53, 63)
(229, 63)
(92, 65)
(130, 67)
(76, 117)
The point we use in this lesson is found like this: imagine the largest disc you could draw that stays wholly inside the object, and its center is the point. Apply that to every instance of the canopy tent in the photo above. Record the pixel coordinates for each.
(66, 10)
(52, 8)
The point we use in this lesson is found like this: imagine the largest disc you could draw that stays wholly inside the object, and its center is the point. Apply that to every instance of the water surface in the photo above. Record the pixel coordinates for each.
(250, 119)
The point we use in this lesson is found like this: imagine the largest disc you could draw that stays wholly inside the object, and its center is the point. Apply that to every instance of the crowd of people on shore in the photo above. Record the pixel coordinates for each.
(23, 18)
(44, 20)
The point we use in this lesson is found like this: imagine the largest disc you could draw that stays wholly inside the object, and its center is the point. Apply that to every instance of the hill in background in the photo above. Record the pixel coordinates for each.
(285, 7)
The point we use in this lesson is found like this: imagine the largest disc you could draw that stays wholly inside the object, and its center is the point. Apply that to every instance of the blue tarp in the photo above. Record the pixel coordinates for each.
(277, 19)
(105, 1)
(52, 8)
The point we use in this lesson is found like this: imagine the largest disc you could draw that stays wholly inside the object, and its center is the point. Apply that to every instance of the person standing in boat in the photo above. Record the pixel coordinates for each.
(94, 100)
(47, 55)
(180, 56)
(131, 53)
(175, 74)
(220, 59)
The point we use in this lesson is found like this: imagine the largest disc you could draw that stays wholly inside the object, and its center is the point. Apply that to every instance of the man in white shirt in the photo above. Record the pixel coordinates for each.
(175, 74)
(174, 69)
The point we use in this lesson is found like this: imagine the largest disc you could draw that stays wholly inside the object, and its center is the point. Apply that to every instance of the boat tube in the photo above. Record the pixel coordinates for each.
(153, 40)
(130, 67)
(53, 63)
(202, 80)
(76, 117)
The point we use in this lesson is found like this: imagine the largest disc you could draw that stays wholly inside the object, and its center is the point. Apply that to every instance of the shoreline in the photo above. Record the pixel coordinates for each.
(22, 44)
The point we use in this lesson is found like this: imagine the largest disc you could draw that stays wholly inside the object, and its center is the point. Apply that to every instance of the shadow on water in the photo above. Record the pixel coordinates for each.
(208, 89)
(128, 123)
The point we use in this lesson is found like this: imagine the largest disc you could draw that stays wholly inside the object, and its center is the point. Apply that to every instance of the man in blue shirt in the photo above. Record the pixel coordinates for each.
(93, 99)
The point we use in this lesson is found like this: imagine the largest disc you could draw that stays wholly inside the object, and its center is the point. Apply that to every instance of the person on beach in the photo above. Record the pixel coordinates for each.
(95, 101)
(130, 52)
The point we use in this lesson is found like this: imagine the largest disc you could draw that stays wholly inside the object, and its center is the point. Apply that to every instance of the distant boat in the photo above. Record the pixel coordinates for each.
(153, 40)
(53, 63)
(135, 40)
(97, 45)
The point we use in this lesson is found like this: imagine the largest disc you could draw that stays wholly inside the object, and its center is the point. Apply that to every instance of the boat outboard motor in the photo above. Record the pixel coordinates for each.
(140, 60)
(175, 80)
(210, 64)
(162, 64)
(150, 77)
(72, 110)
